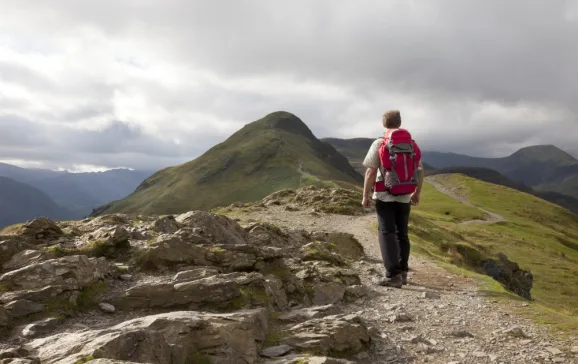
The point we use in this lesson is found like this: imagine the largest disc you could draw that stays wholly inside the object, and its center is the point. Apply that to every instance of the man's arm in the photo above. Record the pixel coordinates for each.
(370, 176)
(416, 195)
(420, 178)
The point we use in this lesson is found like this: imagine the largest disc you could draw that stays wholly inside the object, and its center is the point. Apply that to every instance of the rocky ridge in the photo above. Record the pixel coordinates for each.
(192, 288)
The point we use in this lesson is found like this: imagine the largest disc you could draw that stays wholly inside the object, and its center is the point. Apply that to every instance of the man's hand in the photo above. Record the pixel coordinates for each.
(366, 203)
(415, 198)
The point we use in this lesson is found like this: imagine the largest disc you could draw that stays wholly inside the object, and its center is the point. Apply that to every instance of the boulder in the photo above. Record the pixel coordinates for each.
(37, 295)
(40, 229)
(116, 236)
(510, 275)
(170, 250)
(345, 334)
(166, 225)
(11, 247)
(176, 337)
(26, 257)
(22, 308)
(341, 243)
(71, 272)
(214, 291)
(320, 251)
(216, 228)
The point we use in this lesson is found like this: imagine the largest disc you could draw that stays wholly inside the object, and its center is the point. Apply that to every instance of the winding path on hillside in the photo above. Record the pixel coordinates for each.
(492, 216)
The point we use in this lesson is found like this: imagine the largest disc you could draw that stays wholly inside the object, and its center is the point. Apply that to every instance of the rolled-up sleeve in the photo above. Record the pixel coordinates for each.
(372, 158)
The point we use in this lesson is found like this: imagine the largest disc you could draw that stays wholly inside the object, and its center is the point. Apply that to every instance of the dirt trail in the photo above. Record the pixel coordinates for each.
(439, 317)
(492, 217)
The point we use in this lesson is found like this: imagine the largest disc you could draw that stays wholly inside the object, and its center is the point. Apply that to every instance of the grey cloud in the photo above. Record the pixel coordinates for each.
(438, 55)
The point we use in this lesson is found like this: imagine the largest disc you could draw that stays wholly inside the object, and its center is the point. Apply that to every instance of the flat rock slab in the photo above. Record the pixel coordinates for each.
(177, 338)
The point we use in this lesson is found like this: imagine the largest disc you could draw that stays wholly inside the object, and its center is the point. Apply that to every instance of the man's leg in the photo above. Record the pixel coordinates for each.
(402, 211)
(388, 242)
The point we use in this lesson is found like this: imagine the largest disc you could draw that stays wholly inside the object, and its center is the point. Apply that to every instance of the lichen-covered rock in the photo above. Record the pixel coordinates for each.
(320, 251)
(166, 225)
(40, 229)
(215, 291)
(11, 247)
(22, 308)
(170, 250)
(216, 228)
(341, 243)
(71, 272)
(113, 236)
(26, 257)
(176, 338)
(36, 295)
(346, 334)
(194, 274)
(510, 275)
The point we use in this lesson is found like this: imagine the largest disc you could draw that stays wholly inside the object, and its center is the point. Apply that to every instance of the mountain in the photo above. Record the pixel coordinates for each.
(355, 149)
(276, 152)
(495, 177)
(543, 167)
(78, 192)
(20, 202)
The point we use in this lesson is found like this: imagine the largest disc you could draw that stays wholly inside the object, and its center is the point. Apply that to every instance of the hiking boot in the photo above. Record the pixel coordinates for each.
(404, 277)
(393, 281)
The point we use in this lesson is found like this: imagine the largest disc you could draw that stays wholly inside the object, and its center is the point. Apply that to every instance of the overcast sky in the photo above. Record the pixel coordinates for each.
(148, 83)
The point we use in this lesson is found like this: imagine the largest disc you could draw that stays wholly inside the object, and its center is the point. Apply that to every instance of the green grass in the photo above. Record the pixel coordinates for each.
(538, 235)
(253, 163)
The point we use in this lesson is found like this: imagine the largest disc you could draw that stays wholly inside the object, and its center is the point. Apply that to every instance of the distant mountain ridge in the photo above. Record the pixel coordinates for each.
(78, 193)
(542, 167)
(20, 202)
(275, 152)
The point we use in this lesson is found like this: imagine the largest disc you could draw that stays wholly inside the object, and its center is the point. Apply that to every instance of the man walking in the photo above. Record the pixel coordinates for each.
(395, 174)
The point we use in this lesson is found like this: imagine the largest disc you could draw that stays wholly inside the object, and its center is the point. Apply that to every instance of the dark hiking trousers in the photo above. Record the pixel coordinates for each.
(392, 218)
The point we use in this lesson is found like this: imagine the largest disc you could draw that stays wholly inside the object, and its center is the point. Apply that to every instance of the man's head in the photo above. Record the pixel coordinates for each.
(392, 119)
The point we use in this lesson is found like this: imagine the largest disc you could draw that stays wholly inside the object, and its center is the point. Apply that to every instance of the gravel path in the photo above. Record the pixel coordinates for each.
(439, 317)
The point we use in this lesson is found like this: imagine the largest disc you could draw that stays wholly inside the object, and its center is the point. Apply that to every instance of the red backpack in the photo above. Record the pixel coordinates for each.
(399, 155)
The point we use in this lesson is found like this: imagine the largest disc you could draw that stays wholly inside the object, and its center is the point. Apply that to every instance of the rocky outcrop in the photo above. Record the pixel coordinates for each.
(336, 334)
(40, 230)
(510, 275)
(206, 289)
(174, 337)
(72, 272)
(330, 200)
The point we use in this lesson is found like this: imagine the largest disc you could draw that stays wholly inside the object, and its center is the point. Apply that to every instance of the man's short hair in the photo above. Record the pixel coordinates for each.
(392, 119)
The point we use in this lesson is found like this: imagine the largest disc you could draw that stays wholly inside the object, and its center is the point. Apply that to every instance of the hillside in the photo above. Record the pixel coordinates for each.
(492, 176)
(543, 167)
(270, 154)
(20, 202)
(78, 192)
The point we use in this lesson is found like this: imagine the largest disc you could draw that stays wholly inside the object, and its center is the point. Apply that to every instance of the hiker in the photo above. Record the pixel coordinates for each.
(394, 194)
